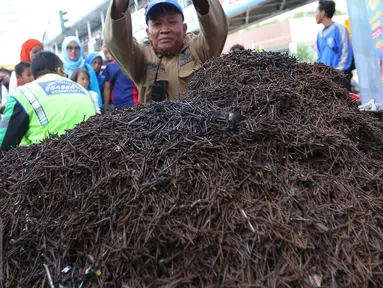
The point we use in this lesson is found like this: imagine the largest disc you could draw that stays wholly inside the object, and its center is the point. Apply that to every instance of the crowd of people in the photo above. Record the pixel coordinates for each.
(45, 95)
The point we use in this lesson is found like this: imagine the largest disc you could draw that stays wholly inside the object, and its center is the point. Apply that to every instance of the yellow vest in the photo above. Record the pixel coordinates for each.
(54, 104)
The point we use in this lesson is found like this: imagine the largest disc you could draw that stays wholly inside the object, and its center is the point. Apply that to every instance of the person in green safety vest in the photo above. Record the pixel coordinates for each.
(49, 105)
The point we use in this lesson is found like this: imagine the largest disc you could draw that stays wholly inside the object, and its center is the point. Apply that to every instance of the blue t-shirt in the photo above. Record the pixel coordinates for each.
(124, 91)
(334, 47)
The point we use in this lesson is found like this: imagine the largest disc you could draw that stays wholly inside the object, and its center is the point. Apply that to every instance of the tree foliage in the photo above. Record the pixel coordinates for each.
(305, 53)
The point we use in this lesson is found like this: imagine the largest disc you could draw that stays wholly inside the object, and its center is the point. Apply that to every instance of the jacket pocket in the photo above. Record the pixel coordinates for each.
(185, 75)
(151, 75)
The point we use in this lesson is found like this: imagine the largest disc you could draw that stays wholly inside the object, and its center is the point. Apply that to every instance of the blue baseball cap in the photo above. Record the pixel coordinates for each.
(156, 3)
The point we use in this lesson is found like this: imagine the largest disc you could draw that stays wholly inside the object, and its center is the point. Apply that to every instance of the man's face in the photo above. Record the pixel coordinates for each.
(319, 15)
(73, 51)
(96, 64)
(166, 32)
(26, 76)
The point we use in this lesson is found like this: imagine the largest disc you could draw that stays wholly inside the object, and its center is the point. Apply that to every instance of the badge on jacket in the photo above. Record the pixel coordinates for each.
(153, 66)
(186, 57)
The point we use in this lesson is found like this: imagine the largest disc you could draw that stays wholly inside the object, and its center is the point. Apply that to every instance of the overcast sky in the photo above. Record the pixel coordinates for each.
(24, 19)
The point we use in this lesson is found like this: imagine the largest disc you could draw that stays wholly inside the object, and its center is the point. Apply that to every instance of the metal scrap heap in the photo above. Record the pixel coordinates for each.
(268, 175)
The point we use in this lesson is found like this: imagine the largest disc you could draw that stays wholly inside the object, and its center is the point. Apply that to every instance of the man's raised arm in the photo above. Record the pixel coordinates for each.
(119, 40)
(214, 28)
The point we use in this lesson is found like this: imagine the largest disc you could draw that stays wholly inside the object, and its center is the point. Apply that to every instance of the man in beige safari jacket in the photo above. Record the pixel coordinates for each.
(172, 54)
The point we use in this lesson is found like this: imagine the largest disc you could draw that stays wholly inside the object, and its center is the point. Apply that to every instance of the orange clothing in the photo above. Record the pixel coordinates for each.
(26, 49)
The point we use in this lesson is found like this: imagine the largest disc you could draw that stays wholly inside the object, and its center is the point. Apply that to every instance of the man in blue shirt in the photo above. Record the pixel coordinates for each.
(333, 42)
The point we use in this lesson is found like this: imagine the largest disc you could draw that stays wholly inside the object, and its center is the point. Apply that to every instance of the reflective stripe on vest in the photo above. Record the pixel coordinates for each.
(35, 105)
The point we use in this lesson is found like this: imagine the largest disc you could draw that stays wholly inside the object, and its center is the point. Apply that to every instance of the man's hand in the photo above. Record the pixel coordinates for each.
(2, 109)
(107, 107)
(202, 6)
(118, 9)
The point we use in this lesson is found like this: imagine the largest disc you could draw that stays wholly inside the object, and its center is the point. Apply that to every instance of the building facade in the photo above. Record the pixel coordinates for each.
(281, 36)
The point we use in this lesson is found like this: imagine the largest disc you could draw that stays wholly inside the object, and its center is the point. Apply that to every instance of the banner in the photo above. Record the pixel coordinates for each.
(374, 14)
(366, 19)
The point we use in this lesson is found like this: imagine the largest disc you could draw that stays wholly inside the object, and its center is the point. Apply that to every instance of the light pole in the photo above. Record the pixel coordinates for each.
(45, 31)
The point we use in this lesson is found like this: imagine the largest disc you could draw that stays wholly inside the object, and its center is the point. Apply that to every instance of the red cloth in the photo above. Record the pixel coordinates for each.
(26, 49)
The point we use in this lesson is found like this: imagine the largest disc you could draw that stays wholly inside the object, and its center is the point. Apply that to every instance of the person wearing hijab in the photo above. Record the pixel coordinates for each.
(95, 60)
(29, 49)
(73, 58)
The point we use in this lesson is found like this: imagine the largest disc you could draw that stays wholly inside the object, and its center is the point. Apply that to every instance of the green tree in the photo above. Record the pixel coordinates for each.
(305, 52)
(338, 12)
(304, 14)
(267, 23)
(259, 48)
(299, 15)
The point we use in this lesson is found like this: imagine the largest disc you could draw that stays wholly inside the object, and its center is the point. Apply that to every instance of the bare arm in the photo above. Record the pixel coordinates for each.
(107, 93)
(119, 41)
(214, 29)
